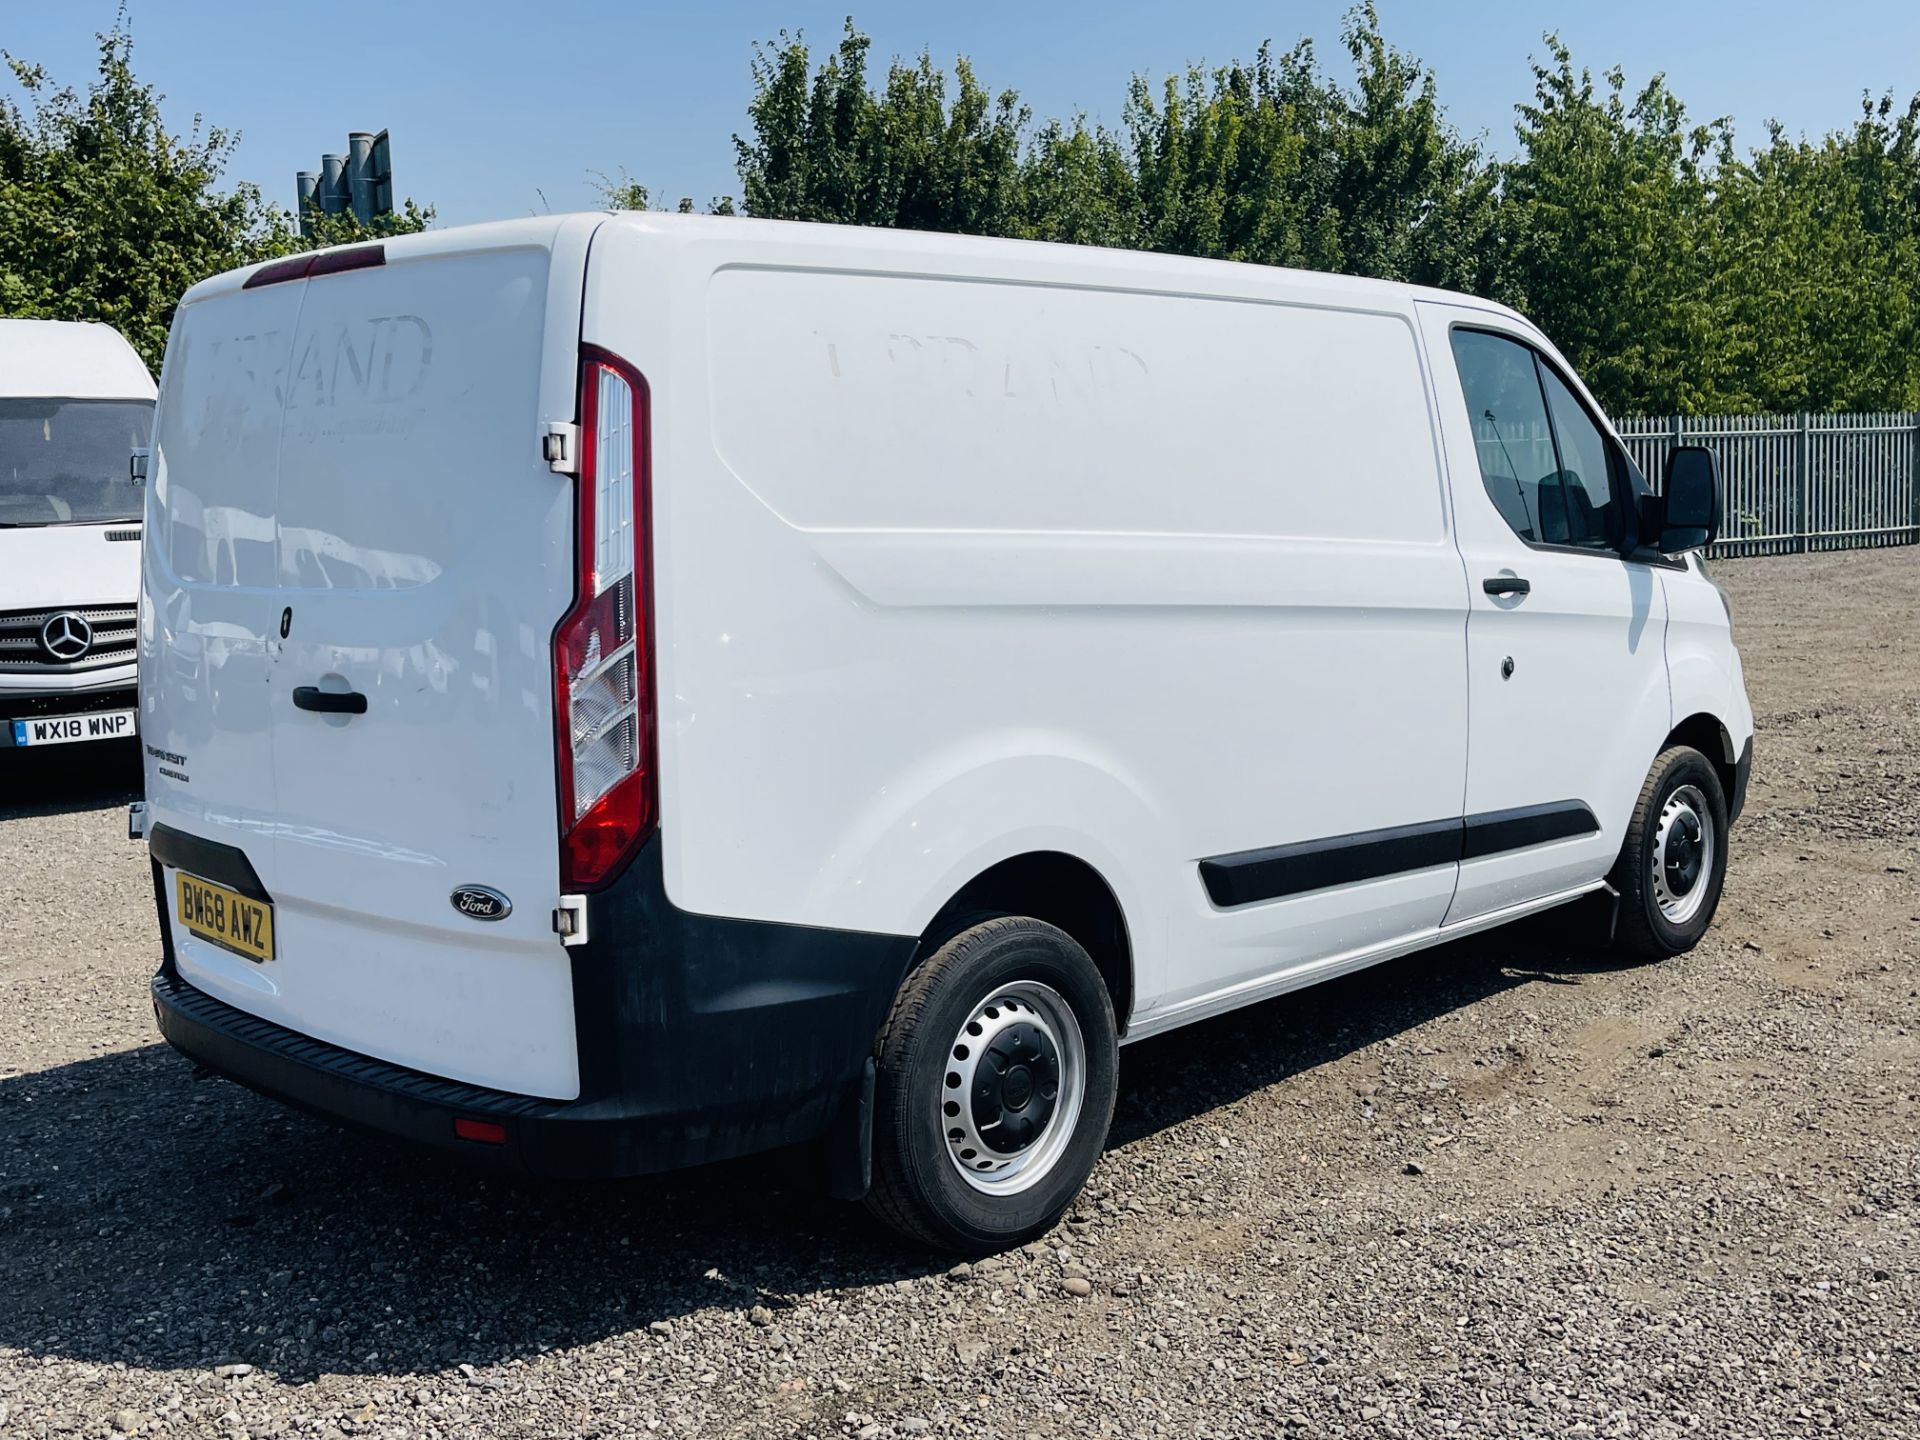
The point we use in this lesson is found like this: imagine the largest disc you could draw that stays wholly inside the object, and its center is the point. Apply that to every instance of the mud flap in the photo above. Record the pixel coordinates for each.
(849, 1142)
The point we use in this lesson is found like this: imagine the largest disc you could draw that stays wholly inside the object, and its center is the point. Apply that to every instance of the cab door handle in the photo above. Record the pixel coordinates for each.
(1506, 585)
(329, 702)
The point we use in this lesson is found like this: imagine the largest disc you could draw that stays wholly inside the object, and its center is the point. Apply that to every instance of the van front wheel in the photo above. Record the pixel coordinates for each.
(994, 1087)
(1674, 859)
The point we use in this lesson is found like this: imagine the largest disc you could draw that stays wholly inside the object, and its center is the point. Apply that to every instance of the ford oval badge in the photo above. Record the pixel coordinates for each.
(481, 902)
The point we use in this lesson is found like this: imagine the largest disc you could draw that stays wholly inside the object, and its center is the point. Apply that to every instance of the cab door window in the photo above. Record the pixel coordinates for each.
(1593, 516)
(1545, 462)
(1511, 433)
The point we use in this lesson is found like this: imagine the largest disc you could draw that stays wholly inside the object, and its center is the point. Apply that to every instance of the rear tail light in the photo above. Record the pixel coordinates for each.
(603, 650)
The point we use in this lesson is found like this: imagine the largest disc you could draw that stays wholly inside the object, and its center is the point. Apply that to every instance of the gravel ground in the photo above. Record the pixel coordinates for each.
(1504, 1188)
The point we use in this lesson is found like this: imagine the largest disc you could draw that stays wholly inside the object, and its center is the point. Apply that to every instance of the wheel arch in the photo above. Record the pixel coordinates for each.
(1709, 735)
(1062, 890)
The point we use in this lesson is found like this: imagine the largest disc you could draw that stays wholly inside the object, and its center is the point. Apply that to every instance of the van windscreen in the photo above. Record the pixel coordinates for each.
(64, 462)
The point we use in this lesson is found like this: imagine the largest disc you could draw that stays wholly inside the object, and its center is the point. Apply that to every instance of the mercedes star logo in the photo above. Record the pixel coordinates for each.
(67, 636)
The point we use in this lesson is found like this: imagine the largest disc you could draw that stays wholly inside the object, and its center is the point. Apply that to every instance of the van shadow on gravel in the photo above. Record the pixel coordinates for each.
(166, 1222)
(66, 779)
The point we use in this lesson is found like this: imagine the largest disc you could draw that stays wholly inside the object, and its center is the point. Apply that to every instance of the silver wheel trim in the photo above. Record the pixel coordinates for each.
(992, 1173)
(1685, 803)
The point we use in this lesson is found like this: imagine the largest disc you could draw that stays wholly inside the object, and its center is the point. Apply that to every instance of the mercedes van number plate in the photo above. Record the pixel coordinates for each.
(65, 729)
(226, 918)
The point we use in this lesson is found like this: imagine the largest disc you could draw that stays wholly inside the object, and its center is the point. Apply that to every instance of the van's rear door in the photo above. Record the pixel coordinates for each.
(422, 552)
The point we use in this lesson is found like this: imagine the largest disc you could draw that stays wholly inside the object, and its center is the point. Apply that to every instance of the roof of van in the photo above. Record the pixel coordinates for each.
(875, 245)
(70, 359)
(1125, 267)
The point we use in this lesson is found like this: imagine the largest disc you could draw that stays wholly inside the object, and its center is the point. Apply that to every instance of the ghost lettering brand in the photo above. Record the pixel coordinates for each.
(377, 361)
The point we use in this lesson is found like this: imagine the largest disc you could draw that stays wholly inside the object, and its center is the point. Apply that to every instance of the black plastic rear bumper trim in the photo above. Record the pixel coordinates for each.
(699, 1038)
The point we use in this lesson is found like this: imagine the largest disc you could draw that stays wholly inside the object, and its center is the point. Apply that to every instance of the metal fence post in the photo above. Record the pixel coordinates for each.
(1913, 477)
(1802, 479)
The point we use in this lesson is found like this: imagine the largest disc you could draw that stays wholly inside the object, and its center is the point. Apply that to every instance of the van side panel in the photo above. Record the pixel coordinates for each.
(890, 402)
(954, 565)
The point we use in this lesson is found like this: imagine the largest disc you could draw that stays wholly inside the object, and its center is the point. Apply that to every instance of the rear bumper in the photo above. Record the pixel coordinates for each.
(330, 1081)
(699, 1039)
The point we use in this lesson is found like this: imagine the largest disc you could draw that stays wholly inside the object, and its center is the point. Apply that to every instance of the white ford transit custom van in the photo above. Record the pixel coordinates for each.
(75, 403)
(641, 689)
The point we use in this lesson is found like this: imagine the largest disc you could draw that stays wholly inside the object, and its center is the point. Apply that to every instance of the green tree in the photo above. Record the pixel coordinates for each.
(1416, 201)
(1077, 186)
(1277, 163)
(344, 229)
(626, 193)
(1819, 287)
(826, 147)
(1267, 162)
(1235, 164)
(623, 192)
(1610, 238)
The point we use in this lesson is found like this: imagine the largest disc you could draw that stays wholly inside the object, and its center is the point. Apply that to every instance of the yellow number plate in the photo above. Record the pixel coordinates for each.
(229, 920)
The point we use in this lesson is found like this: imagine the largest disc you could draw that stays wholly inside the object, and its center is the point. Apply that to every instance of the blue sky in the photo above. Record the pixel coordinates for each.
(495, 103)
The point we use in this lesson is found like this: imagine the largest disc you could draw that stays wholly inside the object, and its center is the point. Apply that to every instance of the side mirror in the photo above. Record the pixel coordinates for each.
(1689, 500)
(137, 465)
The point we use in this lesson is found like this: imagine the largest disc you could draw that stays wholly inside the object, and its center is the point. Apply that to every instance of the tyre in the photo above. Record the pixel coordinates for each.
(1674, 859)
(993, 1089)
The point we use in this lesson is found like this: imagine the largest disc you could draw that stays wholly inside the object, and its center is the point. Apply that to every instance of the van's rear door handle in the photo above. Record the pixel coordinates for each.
(329, 702)
(1505, 585)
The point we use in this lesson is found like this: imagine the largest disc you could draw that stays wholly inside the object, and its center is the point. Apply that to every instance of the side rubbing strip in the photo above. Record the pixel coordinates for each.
(1251, 876)
(1499, 830)
(1255, 875)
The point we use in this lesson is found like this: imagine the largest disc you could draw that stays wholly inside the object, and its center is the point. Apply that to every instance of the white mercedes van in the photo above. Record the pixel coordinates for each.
(75, 402)
(623, 691)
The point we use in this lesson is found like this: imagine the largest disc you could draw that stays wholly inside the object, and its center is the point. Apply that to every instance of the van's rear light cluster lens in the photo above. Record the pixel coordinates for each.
(603, 699)
(603, 686)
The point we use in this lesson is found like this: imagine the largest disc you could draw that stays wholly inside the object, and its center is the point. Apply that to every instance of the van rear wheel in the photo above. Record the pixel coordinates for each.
(1674, 859)
(994, 1087)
